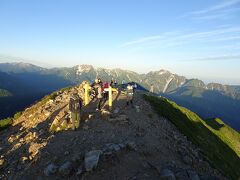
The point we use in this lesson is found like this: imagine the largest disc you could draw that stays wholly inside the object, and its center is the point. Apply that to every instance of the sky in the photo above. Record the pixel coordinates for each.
(197, 39)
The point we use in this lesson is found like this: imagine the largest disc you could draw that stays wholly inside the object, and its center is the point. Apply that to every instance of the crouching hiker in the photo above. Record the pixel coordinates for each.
(130, 93)
(75, 106)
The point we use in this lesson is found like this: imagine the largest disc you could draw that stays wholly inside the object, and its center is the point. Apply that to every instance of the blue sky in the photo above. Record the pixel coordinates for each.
(198, 39)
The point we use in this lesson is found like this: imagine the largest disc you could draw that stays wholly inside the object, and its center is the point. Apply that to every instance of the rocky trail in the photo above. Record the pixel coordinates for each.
(127, 143)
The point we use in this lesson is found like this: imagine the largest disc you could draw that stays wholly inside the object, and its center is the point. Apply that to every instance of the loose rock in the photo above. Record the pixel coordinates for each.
(187, 160)
(50, 169)
(193, 175)
(131, 145)
(167, 174)
(66, 169)
(91, 159)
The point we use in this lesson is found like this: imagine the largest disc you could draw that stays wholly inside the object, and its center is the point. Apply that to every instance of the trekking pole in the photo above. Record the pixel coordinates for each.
(86, 98)
(110, 97)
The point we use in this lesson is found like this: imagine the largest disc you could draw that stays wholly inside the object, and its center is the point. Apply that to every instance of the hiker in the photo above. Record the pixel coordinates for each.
(93, 91)
(134, 87)
(130, 93)
(105, 91)
(75, 106)
(123, 84)
(99, 95)
(115, 83)
(112, 82)
(151, 88)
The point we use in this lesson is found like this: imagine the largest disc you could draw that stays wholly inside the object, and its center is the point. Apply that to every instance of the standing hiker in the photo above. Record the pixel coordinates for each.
(130, 93)
(75, 106)
(115, 83)
(99, 96)
(105, 91)
(93, 91)
(151, 88)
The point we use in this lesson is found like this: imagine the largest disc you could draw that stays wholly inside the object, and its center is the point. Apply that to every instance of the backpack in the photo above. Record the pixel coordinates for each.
(99, 91)
(106, 85)
(75, 103)
(130, 90)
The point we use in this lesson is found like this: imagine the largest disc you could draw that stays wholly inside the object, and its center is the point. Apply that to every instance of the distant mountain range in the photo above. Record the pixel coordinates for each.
(208, 100)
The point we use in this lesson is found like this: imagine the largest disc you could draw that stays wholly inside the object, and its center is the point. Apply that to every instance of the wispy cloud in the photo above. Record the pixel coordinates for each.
(222, 6)
(217, 58)
(142, 40)
(223, 10)
(166, 40)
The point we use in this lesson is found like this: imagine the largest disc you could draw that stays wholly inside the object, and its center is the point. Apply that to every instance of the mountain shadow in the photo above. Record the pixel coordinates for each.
(208, 103)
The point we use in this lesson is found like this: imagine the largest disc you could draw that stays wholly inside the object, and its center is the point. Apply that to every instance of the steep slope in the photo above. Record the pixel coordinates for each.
(217, 141)
(132, 142)
(208, 104)
(225, 133)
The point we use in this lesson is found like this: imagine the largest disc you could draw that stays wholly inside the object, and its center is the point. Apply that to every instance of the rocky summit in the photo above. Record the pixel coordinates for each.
(128, 142)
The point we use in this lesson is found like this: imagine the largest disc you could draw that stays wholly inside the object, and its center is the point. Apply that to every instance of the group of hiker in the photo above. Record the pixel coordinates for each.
(99, 92)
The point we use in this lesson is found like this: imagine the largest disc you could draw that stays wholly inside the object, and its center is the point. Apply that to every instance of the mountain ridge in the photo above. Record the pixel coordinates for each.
(165, 83)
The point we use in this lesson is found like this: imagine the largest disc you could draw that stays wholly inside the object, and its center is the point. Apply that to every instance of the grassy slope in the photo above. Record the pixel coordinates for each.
(218, 146)
(225, 133)
(4, 123)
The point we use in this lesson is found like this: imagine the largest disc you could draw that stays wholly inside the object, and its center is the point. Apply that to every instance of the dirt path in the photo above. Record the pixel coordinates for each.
(150, 146)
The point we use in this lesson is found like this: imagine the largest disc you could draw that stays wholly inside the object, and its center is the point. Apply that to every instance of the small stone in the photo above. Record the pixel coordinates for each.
(116, 110)
(146, 165)
(187, 160)
(23, 159)
(122, 146)
(167, 174)
(79, 171)
(66, 169)
(112, 147)
(107, 154)
(66, 153)
(50, 169)
(91, 159)
(121, 118)
(11, 139)
(137, 108)
(131, 145)
(90, 116)
(77, 158)
(2, 162)
(50, 101)
(193, 175)
(85, 127)
(182, 175)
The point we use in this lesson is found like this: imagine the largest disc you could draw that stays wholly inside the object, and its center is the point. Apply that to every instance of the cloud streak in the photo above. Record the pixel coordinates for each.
(217, 58)
(222, 6)
(141, 40)
(167, 40)
(223, 10)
